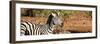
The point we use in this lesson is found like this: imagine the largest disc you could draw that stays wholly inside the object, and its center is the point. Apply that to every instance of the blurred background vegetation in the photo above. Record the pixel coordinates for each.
(46, 12)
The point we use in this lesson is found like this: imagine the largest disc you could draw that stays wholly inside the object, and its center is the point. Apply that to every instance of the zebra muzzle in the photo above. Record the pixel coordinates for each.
(61, 25)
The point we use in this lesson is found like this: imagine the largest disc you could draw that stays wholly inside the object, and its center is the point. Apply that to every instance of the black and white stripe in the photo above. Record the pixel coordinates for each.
(27, 28)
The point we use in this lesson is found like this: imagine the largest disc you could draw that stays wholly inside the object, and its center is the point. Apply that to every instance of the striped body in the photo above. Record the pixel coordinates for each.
(27, 28)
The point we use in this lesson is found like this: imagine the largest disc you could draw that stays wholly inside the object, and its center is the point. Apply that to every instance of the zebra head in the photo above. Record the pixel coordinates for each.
(54, 20)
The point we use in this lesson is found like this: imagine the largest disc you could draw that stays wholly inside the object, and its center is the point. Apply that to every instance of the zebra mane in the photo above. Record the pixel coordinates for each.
(49, 20)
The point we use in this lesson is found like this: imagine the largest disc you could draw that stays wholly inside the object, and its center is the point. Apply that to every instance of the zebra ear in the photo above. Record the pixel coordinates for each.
(54, 15)
(58, 13)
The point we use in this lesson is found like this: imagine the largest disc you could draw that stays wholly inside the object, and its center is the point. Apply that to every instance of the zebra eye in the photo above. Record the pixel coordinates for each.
(54, 23)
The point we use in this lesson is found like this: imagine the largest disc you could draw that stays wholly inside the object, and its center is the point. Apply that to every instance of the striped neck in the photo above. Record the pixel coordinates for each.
(50, 29)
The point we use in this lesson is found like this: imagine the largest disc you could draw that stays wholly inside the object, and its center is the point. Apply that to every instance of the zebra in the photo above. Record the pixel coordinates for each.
(28, 28)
